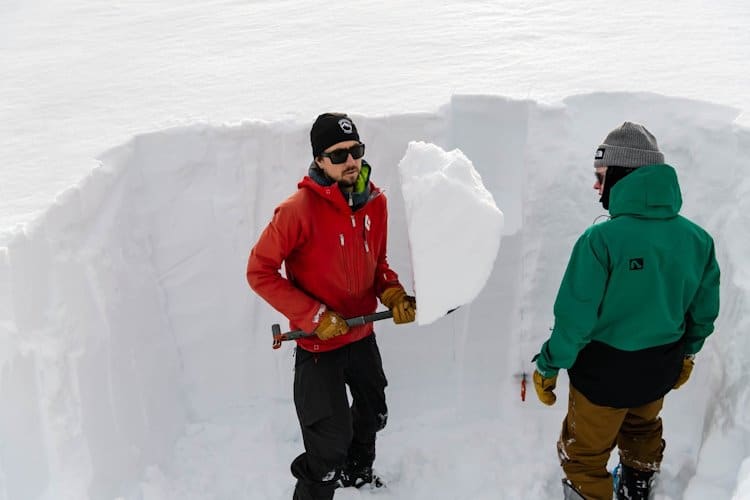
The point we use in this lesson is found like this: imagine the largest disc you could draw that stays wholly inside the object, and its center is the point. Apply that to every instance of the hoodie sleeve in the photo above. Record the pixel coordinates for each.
(283, 234)
(704, 308)
(577, 304)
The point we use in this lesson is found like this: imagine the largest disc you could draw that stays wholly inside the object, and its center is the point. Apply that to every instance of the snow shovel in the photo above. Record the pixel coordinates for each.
(279, 337)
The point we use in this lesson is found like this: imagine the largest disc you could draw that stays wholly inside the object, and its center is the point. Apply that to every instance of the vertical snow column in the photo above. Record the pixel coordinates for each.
(492, 133)
(559, 163)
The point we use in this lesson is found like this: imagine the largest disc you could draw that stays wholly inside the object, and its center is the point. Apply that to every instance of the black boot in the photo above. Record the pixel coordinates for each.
(358, 474)
(633, 484)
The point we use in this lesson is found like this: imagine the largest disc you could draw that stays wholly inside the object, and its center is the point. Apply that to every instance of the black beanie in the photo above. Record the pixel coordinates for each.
(329, 129)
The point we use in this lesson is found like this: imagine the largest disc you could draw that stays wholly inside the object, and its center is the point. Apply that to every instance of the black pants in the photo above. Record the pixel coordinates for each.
(332, 431)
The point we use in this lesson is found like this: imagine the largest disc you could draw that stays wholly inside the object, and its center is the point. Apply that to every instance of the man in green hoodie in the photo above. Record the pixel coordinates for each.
(637, 301)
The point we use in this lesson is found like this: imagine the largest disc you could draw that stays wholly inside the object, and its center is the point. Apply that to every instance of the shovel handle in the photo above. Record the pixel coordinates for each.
(279, 337)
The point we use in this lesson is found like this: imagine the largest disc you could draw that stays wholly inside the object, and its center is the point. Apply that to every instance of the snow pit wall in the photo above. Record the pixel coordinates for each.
(125, 315)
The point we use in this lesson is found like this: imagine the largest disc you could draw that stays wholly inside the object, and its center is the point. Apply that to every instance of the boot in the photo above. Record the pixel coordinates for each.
(358, 474)
(633, 484)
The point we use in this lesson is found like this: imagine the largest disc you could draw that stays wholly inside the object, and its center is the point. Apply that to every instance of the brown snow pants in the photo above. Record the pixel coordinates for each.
(590, 433)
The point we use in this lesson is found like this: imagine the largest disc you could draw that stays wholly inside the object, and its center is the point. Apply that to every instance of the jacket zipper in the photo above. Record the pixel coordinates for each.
(353, 250)
(365, 231)
(347, 264)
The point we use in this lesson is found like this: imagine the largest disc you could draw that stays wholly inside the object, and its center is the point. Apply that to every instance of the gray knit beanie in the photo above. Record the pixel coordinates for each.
(629, 145)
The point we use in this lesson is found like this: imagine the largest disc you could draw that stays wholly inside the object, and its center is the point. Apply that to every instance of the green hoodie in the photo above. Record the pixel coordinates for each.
(645, 278)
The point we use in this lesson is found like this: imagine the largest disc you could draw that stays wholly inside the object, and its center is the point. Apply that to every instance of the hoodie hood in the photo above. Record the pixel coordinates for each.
(651, 192)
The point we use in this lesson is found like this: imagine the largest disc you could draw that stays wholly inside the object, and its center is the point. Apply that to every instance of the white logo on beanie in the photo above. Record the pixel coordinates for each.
(346, 126)
(599, 154)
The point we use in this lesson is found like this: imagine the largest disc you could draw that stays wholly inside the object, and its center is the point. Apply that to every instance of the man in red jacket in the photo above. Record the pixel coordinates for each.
(331, 236)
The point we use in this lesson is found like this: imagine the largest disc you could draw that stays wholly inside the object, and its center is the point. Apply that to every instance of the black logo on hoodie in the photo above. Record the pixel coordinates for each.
(636, 264)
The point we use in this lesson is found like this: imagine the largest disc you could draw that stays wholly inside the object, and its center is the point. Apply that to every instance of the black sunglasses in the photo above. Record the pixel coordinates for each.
(340, 155)
(599, 177)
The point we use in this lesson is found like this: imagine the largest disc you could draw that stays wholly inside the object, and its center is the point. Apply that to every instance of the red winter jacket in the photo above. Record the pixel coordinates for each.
(332, 256)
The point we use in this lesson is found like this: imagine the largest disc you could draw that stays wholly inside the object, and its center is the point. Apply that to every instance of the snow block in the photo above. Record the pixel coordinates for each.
(446, 201)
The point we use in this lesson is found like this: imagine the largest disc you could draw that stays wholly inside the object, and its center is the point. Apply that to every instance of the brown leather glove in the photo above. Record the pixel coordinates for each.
(404, 307)
(544, 387)
(687, 368)
(331, 325)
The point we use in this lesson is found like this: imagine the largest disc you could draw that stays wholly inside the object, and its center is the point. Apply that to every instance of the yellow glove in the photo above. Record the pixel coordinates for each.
(544, 387)
(687, 368)
(331, 325)
(404, 307)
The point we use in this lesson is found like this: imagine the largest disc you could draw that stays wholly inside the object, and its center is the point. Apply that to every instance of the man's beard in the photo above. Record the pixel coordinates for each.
(345, 183)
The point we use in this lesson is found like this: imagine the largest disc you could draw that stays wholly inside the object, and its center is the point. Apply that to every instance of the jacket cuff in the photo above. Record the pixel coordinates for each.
(542, 368)
(396, 286)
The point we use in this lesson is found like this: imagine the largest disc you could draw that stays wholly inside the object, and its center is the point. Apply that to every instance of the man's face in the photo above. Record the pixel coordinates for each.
(344, 173)
(600, 173)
